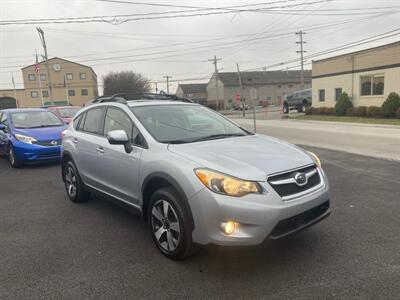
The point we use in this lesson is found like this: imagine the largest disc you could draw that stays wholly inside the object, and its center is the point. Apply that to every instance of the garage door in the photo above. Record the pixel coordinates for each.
(7, 102)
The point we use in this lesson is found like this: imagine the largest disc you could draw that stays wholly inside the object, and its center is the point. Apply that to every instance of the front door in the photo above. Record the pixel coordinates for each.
(120, 170)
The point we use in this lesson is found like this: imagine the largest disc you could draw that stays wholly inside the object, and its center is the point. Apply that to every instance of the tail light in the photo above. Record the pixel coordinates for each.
(63, 133)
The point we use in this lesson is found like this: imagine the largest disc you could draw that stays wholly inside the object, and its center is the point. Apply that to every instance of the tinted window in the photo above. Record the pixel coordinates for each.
(76, 121)
(93, 121)
(116, 119)
(68, 112)
(81, 123)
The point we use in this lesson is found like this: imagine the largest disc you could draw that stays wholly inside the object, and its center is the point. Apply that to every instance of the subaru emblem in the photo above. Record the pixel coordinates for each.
(300, 178)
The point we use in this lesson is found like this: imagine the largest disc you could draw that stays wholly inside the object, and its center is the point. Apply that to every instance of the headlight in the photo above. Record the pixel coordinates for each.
(224, 184)
(25, 139)
(315, 158)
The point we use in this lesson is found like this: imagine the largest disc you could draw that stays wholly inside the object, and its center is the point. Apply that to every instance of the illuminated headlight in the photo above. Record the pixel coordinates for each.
(25, 139)
(315, 158)
(224, 184)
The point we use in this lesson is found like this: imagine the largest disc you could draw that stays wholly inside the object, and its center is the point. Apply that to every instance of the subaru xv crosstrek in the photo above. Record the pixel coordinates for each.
(195, 177)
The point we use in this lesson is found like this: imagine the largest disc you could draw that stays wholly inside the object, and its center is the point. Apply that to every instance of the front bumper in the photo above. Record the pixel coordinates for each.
(32, 153)
(258, 216)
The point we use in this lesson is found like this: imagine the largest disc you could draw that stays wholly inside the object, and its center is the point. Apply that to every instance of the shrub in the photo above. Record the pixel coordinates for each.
(390, 106)
(343, 104)
(373, 111)
(322, 110)
(398, 113)
(308, 110)
(350, 111)
(330, 111)
(315, 110)
(360, 111)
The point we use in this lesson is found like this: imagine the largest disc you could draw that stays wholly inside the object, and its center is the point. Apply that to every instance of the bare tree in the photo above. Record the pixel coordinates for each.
(125, 82)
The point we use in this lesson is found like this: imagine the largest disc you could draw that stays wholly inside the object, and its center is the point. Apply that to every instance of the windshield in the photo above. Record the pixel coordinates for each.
(185, 123)
(69, 112)
(35, 119)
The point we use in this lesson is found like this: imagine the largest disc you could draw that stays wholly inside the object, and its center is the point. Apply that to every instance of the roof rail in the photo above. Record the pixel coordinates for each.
(124, 97)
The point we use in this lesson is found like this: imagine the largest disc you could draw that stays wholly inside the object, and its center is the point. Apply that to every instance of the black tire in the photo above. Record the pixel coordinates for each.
(73, 183)
(12, 158)
(173, 244)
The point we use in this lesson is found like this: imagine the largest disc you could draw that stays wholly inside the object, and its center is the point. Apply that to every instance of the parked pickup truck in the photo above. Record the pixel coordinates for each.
(298, 100)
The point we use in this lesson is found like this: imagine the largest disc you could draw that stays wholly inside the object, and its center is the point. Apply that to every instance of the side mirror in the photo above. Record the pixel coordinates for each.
(2, 127)
(119, 137)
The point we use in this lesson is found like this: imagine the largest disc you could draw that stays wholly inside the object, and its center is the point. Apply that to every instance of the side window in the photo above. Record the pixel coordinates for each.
(76, 121)
(116, 119)
(93, 120)
(81, 123)
(3, 119)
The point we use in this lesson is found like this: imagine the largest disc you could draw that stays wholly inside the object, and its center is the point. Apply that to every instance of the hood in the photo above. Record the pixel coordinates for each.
(43, 134)
(251, 157)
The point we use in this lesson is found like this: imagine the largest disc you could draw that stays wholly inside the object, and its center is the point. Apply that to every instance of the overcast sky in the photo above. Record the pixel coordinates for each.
(181, 47)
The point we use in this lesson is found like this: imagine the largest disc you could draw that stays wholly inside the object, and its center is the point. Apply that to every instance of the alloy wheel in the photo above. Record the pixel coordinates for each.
(70, 182)
(165, 225)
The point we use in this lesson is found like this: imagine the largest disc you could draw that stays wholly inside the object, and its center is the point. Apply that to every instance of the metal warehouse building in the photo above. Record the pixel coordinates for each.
(367, 76)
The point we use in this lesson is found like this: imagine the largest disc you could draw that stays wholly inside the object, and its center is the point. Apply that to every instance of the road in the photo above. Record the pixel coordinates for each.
(52, 248)
(373, 140)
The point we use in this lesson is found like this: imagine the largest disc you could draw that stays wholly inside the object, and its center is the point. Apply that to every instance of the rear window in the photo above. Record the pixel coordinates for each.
(69, 112)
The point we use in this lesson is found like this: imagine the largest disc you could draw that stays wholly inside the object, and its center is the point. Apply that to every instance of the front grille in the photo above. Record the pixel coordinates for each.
(48, 143)
(285, 185)
(300, 221)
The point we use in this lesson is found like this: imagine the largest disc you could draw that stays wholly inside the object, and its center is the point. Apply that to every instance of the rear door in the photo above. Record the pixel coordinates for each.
(88, 140)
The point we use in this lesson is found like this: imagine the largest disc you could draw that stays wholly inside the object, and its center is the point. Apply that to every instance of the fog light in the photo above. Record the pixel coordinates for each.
(228, 227)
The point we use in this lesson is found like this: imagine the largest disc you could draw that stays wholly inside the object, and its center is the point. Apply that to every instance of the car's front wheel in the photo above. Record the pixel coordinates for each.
(168, 222)
(73, 183)
(12, 158)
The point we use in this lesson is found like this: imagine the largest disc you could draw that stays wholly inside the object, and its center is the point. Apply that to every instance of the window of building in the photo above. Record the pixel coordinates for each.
(42, 77)
(279, 97)
(269, 98)
(34, 94)
(290, 85)
(69, 76)
(82, 75)
(84, 92)
(372, 85)
(71, 92)
(45, 94)
(321, 95)
(338, 93)
(279, 86)
(32, 77)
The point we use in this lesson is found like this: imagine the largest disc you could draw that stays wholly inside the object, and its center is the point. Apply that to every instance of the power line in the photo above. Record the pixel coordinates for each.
(120, 19)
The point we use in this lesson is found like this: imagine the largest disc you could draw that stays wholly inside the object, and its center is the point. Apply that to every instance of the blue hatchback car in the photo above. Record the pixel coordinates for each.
(30, 135)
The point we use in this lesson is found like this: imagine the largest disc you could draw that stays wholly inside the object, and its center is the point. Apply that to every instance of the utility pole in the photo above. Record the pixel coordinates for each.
(241, 90)
(215, 61)
(301, 43)
(156, 87)
(168, 77)
(42, 39)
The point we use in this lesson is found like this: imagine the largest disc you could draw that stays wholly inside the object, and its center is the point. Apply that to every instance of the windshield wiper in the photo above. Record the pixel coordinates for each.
(217, 136)
(43, 126)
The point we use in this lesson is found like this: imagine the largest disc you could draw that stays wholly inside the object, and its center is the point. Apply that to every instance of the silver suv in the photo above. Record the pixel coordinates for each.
(194, 176)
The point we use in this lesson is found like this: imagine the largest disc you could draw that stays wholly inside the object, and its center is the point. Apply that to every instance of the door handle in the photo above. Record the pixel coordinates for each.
(100, 150)
(75, 140)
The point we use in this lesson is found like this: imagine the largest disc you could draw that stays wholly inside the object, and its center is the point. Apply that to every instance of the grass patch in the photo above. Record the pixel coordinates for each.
(363, 120)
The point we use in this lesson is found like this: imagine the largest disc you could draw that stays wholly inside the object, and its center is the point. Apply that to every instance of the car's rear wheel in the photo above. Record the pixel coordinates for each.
(73, 183)
(168, 223)
(12, 158)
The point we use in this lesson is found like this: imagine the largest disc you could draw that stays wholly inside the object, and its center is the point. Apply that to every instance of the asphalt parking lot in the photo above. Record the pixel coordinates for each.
(52, 248)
